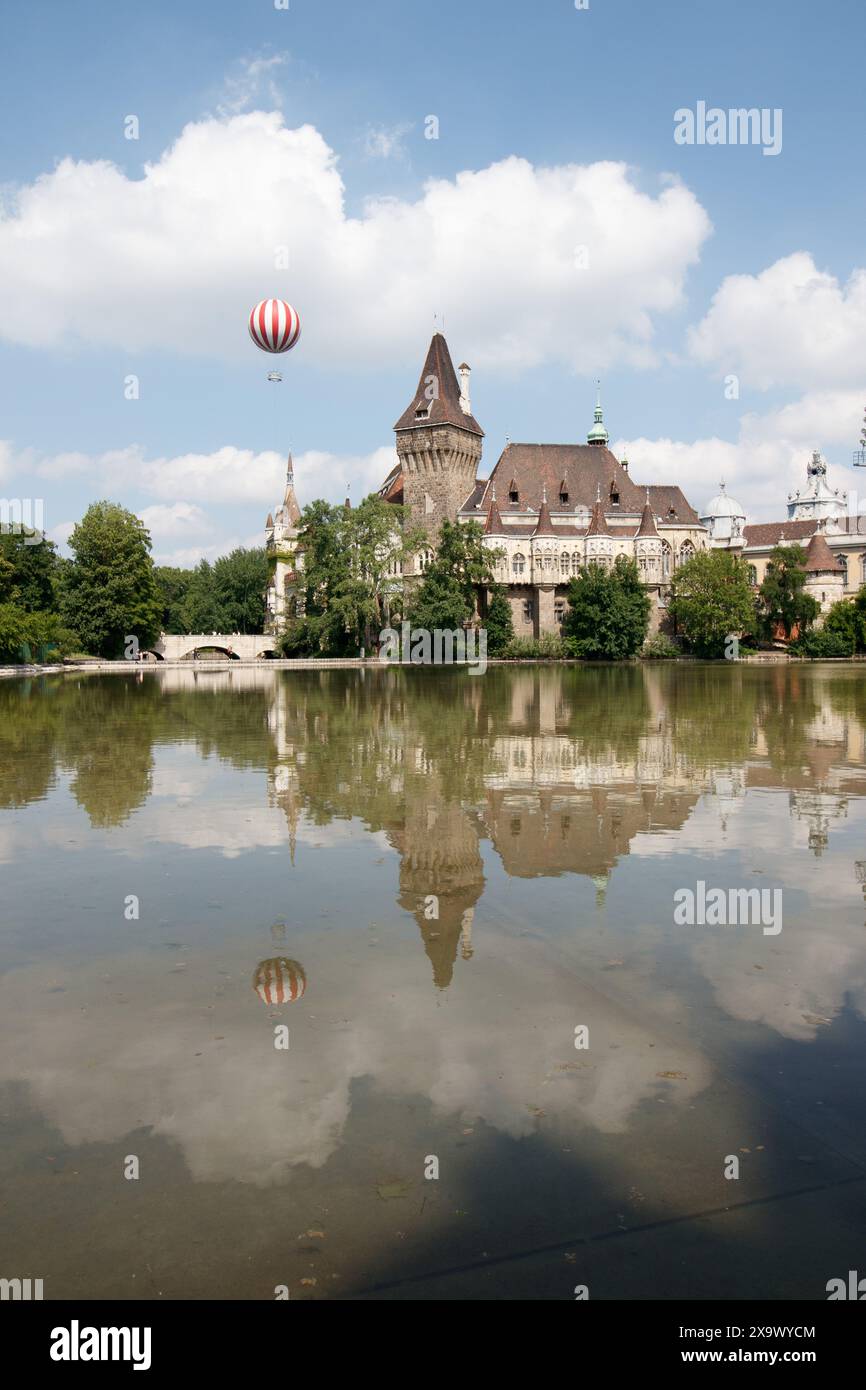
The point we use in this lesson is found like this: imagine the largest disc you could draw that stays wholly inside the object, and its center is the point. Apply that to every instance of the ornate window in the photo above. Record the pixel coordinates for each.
(753, 574)
(687, 550)
(518, 564)
(564, 561)
(425, 559)
(843, 561)
(666, 559)
(548, 561)
(575, 563)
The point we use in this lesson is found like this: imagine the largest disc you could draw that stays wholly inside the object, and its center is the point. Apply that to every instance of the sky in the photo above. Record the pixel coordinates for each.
(511, 171)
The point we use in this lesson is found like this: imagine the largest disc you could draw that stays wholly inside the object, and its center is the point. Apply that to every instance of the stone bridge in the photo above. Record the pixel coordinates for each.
(235, 646)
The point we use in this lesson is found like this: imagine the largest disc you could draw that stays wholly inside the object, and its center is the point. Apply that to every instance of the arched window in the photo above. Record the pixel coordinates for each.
(843, 561)
(425, 559)
(518, 564)
(687, 550)
(753, 574)
(548, 561)
(666, 559)
(564, 562)
(575, 563)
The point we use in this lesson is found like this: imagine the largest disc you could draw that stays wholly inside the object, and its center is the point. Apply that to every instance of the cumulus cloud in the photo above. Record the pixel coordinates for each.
(765, 462)
(790, 325)
(174, 260)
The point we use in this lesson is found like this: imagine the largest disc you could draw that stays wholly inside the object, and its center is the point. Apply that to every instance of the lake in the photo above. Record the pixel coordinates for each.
(368, 983)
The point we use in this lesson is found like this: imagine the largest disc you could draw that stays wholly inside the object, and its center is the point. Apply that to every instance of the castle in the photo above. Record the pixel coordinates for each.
(548, 509)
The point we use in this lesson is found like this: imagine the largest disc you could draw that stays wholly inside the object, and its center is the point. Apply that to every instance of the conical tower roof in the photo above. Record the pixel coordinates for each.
(493, 525)
(545, 525)
(290, 501)
(598, 525)
(437, 395)
(647, 521)
(820, 558)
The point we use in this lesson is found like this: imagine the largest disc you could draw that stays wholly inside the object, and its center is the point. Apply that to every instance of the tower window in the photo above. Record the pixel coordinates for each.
(513, 495)
(614, 495)
(423, 412)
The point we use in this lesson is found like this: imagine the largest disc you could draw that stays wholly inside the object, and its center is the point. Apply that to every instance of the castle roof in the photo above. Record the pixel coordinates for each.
(530, 469)
(598, 525)
(544, 525)
(493, 526)
(443, 408)
(647, 522)
(819, 557)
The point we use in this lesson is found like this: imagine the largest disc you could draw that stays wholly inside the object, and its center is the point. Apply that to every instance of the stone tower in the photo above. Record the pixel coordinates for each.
(438, 443)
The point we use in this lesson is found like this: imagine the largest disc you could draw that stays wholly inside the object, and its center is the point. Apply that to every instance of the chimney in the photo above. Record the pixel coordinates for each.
(464, 388)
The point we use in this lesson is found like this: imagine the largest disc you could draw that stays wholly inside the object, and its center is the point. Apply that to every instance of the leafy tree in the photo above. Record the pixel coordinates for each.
(711, 598)
(608, 612)
(28, 572)
(499, 622)
(446, 596)
(847, 619)
(201, 610)
(353, 583)
(782, 599)
(172, 586)
(14, 631)
(109, 589)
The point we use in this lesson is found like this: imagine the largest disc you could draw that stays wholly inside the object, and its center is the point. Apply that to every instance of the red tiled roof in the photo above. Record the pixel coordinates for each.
(445, 406)
(647, 522)
(664, 496)
(533, 467)
(819, 557)
(778, 532)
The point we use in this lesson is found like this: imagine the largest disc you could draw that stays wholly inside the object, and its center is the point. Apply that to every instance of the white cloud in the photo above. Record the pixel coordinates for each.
(386, 142)
(766, 461)
(174, 260)
(790, 325)
(253, 81)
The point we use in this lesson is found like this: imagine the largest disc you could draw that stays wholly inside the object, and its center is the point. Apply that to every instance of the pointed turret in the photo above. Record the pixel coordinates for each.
(438, 399)
(598, 525)
(647, 521)
(820, 558)
(598, 434)
(290, 501)
(493, 525)
(269, 524)
(544, 526)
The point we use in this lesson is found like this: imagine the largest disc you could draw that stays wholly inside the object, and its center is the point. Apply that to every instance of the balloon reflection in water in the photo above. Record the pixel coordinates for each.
(279, 981)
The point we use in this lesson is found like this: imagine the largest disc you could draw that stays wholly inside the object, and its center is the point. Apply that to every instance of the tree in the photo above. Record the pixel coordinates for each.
(110, 592)
(172, 586)
(782, 599)
(28, 572)
(446, 596)
(353, 584)
(847, 619)
(608, 612)
(240, 580)
(711, 600)
(499, 622)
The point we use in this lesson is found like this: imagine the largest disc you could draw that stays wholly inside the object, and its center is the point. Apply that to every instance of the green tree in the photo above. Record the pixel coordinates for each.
(499, 622)
(608, 612)
(352, 576)
(14, 631)
(172, 586)
(28, 572)
(711, 599)
(109, 590)
(782, 599)
(446, 596)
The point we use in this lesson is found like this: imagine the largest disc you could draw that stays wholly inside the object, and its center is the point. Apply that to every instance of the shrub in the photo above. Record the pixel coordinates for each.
(659, 647)
(547, 647)
(822, 643)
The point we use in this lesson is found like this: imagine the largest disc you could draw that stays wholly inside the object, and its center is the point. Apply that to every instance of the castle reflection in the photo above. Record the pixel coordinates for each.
(556, 770)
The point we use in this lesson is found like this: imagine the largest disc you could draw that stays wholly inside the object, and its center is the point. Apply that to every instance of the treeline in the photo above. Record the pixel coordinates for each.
(110, 590)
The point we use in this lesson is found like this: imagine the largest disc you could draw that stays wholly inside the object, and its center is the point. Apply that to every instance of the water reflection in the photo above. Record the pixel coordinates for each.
(525, 830)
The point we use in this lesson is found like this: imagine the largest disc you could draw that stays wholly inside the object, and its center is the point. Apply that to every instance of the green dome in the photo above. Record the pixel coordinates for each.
(598, 434)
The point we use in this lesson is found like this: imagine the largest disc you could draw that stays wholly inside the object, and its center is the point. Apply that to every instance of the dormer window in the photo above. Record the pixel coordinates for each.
(423, 412)
(614, 495)
(513, 493)
(563, 491)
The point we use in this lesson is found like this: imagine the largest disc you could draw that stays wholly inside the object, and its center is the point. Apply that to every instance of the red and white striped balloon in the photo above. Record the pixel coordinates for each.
(274, 325)
(279, 981)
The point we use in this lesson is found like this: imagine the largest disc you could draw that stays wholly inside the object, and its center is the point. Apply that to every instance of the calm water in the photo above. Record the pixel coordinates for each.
(462, 871)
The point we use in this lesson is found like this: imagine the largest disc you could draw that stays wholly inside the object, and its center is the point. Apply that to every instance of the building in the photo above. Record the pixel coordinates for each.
(546, 509)
(818, 519)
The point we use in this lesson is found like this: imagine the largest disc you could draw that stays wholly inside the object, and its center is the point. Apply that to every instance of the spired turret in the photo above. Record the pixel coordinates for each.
(648, 545)
(599, 537)
(438, 443)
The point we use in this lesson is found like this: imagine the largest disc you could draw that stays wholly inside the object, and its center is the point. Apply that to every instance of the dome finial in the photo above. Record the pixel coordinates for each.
(598, 434)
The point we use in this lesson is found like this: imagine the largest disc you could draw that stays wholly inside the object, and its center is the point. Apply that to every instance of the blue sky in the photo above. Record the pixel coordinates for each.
(305, 128)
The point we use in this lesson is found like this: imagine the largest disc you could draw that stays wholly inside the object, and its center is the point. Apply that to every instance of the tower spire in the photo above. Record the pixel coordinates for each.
(598, 434)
